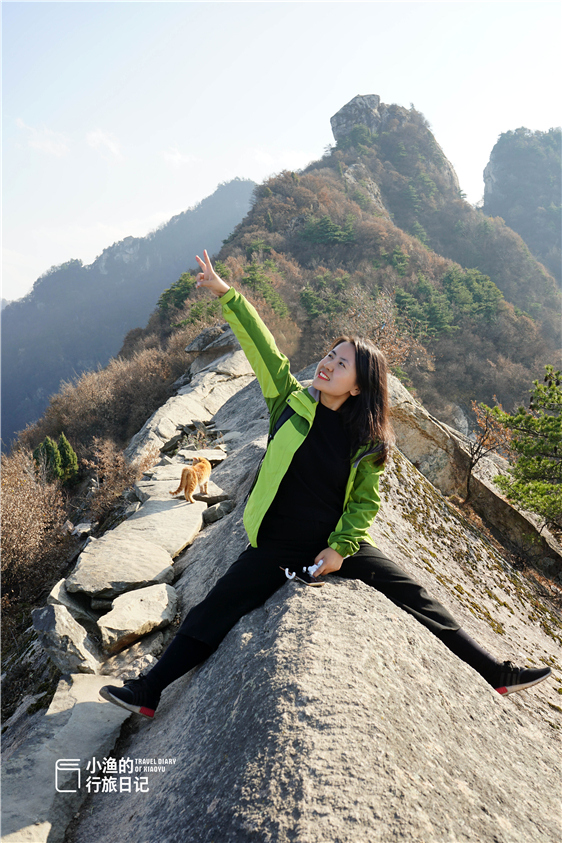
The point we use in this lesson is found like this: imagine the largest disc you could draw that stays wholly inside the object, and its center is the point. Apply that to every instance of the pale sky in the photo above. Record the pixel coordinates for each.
(116, 116)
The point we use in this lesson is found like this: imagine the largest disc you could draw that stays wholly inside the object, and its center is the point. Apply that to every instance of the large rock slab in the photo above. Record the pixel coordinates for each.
(243, 410)
(434, 448)
(136, 614)
(164, 423)
(77, 726)
(212, 343)
(303, 727)
(213, 389)
(207, 391)
(215, 336)
(65, 640)
(442, 455)
(524, 529)
(232, 365)
(117, 563)
(171, 524)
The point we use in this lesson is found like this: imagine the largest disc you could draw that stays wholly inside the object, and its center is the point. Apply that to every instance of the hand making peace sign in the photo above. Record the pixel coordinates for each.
(209, 278)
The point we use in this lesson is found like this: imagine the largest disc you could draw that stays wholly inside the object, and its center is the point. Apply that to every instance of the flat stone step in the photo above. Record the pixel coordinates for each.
(117, 563)
(172, 524)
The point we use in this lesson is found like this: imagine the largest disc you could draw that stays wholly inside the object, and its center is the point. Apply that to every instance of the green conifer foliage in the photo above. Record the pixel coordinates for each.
(535, 482)
(47, 454)
(68, 459)
(258, 281)
(176, 295)
(323, 230)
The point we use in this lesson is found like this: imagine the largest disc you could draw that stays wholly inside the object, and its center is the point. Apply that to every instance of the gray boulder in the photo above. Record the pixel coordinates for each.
(208, 349)
(233, 365)
(164, 424)
(210, 335)
(217, 511)
(435, 449)
(213, 388)
(39, 800)
(135, 614)
(79, 605)
(65, 640)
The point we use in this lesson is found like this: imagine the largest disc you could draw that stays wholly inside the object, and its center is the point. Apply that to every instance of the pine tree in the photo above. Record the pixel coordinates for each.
(535, 482)
(47, 457)
(69, 460)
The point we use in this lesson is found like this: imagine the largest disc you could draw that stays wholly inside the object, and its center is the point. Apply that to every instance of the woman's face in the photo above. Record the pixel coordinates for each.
(335, 376)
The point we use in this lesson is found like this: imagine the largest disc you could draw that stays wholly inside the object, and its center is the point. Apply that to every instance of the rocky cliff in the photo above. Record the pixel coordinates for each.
(522, 184)
(369, 111)
(328, 714)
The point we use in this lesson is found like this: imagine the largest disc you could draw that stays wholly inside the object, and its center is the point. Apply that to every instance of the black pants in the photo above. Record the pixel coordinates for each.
(257, 574)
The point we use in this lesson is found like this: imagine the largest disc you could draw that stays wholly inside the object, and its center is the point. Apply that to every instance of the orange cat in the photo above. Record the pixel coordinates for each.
(192, 476)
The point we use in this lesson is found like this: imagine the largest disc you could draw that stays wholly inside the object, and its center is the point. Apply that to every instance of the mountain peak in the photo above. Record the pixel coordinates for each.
(363, 111)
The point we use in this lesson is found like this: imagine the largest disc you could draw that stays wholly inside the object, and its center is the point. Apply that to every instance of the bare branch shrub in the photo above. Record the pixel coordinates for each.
(113, 474)
(491, 436)
(366, 316)
(32, 514)
(110, 403)
(375, 319)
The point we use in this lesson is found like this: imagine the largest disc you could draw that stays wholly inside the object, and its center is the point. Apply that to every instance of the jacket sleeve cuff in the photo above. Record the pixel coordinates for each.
(224, 299)
(344, 548)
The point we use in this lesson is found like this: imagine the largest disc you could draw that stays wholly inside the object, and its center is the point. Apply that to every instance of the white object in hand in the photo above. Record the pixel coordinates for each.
(313, 568)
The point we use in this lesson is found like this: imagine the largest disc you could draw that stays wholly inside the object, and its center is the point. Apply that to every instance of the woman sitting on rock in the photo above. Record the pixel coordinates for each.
(309, 512)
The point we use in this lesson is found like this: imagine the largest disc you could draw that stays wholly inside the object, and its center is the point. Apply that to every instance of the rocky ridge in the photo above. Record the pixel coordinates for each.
(275, 737)
(369, 111)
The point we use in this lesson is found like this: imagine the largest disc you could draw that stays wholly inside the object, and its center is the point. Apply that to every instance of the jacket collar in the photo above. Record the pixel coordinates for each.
(304, 402)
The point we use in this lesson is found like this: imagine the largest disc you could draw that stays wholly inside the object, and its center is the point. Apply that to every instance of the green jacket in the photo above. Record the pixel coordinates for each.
(279, 388)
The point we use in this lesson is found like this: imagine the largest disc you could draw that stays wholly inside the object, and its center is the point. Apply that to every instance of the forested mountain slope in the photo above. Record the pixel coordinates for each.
(376, 238)
(523, 185)
(76, 316)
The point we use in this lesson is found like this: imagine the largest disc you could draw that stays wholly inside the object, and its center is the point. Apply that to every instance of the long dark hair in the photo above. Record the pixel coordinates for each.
(367, 415)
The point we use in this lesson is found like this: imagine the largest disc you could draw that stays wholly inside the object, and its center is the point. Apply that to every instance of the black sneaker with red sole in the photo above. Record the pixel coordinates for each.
(136, 695)
(510, 679)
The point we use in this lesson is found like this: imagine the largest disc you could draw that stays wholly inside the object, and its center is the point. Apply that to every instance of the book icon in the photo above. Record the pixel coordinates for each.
(67, 773)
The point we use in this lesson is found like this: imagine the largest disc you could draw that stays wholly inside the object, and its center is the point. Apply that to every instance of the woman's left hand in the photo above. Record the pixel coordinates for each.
(331, 561)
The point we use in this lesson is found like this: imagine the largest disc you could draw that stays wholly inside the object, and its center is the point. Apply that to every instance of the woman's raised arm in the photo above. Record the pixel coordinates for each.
(209, 278)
